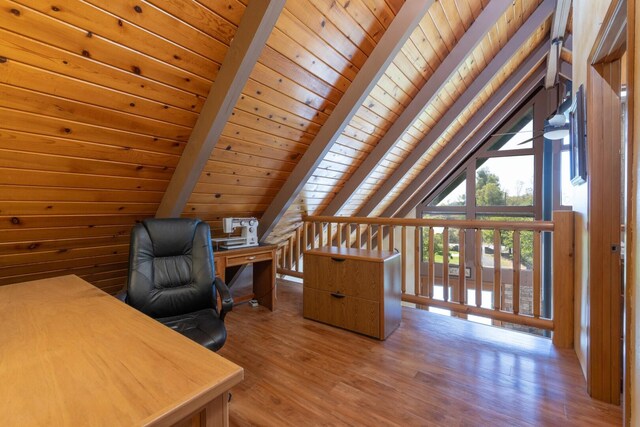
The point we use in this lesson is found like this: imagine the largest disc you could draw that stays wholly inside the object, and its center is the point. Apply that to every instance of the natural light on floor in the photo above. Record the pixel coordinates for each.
(471, 299)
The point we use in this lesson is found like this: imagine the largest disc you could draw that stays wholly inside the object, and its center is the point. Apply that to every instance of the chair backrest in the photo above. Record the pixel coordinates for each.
(171, 269)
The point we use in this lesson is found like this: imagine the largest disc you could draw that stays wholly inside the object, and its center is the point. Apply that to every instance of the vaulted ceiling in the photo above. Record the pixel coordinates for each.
(342, 107)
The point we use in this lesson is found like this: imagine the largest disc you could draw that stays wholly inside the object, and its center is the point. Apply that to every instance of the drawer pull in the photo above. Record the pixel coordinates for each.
(338, 259)
(337, 295)
(251, 258)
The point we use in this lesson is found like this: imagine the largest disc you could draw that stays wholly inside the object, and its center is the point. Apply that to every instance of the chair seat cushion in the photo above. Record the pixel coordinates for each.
(202, 326)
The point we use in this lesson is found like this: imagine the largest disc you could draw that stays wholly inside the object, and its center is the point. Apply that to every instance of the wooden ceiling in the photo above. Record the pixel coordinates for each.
(98, 100)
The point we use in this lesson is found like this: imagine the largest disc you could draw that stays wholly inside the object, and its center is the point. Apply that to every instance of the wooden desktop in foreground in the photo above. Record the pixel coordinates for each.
(72, 355)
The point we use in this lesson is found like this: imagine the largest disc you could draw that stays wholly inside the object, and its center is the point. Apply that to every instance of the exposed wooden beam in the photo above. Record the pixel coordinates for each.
(383, 54)
(425, 181)
(255, 27)
(565, 70)
(540, 15)
(558, 28)
(566, 55)
(425, 96)
(568, 43)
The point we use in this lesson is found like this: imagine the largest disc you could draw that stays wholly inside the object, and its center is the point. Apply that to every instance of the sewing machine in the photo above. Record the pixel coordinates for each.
(248, 236)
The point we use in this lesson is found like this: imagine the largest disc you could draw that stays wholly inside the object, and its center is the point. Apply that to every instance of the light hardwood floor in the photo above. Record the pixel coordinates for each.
(433, 370)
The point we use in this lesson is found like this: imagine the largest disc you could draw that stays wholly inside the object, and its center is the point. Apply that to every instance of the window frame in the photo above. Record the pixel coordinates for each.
(486, 151)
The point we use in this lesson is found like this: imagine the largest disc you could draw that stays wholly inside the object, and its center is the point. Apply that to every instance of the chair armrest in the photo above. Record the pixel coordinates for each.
(225, 297)
(122, 296)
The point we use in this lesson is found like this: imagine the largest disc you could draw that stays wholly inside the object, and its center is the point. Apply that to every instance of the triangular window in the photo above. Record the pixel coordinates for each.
(455, 194)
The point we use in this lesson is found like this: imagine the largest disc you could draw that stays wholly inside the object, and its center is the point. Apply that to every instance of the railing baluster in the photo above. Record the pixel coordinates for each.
(418, 259)
(330, 234)
(359, 236)
(305, 236)
(287, 258)
(497, 281)
(404, 259)
(431, 274)
(380, 237)
(298, 246)
(392, 237)
(313, 235)
(339, 235)
(445, 264)
(462, 296)
(321, 236)
(291, 252)
(348, 236)
(283, 254)
(369, 236)
(478, 264)
(516, 271)
(537, 277)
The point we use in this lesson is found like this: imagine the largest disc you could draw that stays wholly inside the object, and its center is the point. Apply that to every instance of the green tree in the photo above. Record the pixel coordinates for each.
(488, 189)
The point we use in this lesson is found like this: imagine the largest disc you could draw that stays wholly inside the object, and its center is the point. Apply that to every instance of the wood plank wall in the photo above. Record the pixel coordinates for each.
(97, 99)
(314, 52)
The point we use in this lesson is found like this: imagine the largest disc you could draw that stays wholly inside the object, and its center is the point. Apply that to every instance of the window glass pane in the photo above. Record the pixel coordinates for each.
(566, 189)
(518, 137)
(454, 195)
(505, 181)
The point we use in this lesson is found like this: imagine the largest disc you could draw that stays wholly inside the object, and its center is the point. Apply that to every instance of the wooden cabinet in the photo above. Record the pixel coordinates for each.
(354, 289)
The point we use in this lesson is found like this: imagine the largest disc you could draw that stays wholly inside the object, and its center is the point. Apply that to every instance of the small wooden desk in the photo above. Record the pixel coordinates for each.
(72, 355)
(264, 270)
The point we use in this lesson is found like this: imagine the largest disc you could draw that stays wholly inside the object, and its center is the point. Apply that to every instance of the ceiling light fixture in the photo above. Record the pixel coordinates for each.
(557, 127)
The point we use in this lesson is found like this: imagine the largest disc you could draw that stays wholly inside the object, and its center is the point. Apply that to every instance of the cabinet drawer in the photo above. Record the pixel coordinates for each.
(248, 258)
(354, 314)
(351, 277)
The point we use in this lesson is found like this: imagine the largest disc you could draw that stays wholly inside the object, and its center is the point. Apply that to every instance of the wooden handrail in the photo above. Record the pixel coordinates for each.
(450, 223)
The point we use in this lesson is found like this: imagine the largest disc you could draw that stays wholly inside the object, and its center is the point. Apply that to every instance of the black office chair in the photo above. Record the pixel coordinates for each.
(172, 279)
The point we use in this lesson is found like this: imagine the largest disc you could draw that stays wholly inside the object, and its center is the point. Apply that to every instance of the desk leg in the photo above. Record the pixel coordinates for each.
(264, 283)
(216, 412)
(213, 414)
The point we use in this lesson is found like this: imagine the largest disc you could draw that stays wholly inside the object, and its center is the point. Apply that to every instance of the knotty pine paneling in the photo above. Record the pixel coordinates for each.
(97, 101)
(314, 52)
(414, 64)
